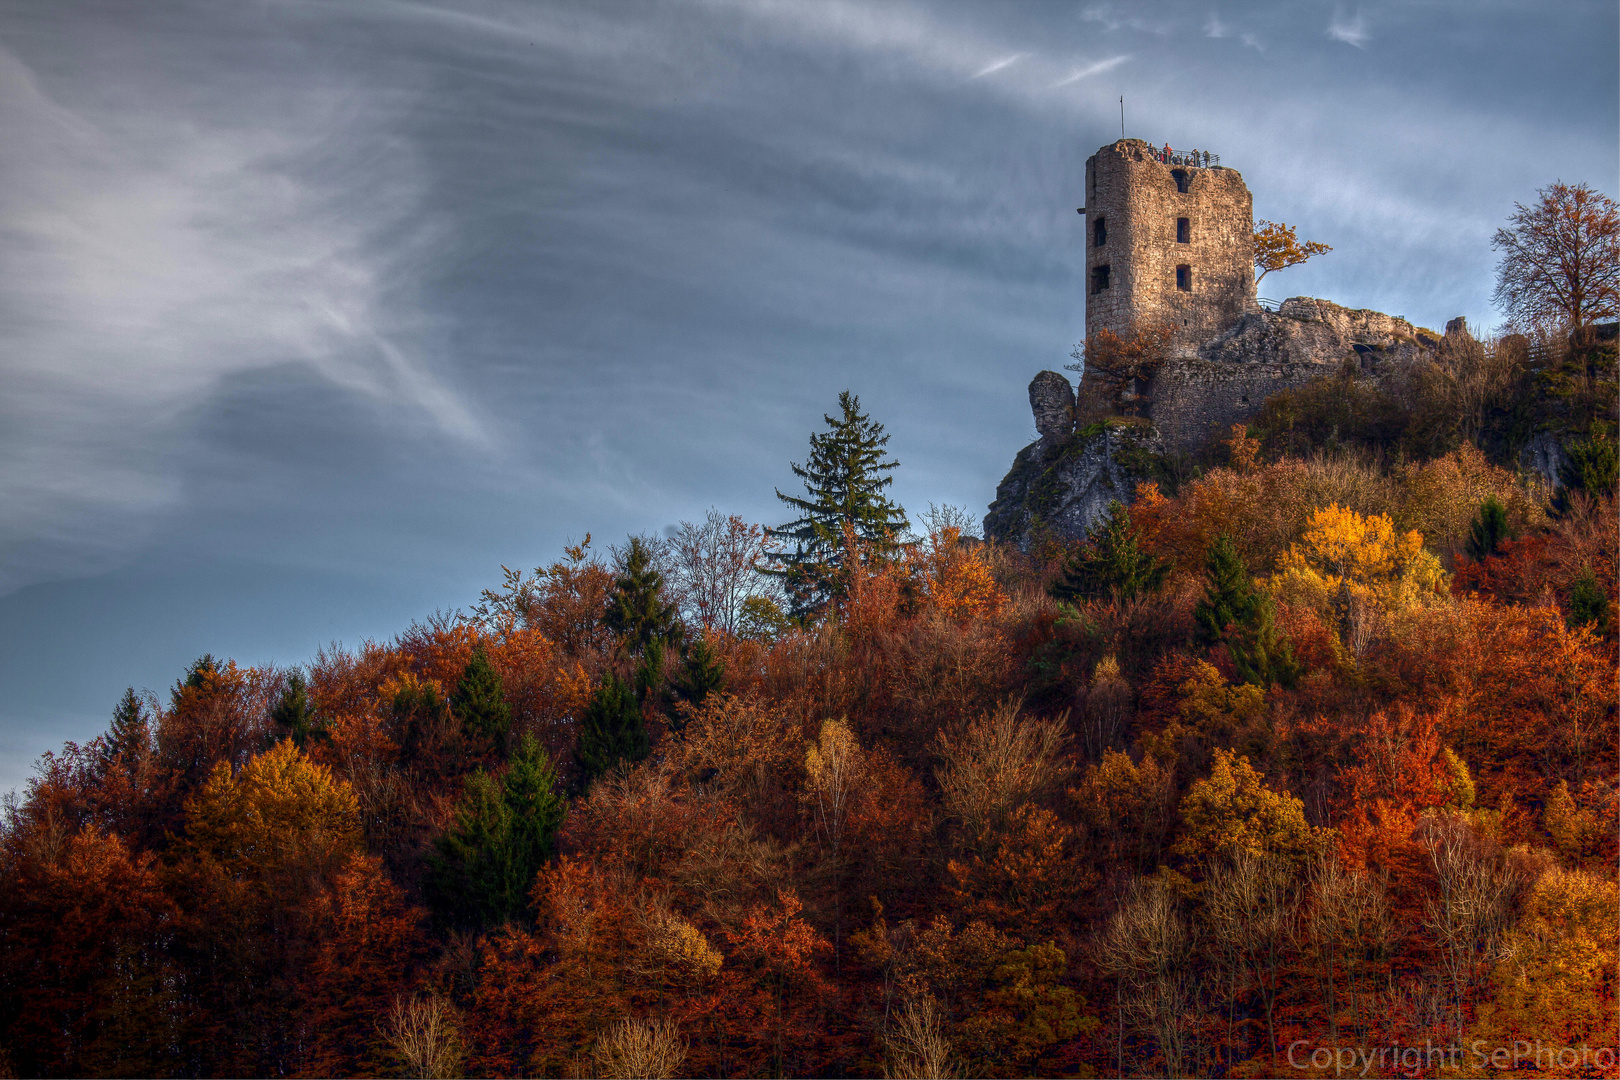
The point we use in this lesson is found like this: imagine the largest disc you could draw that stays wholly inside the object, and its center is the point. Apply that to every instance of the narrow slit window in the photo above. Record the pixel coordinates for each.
(1181, 179)
(1184, 278)
(1183, 230)
(1099, 278)
(1099, 232)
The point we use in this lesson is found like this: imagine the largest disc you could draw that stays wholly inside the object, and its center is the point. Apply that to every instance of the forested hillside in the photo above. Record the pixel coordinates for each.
(1305, 759)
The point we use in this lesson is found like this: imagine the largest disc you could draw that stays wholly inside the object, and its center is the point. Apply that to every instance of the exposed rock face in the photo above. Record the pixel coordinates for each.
(1063, 482)
(1194, 402)
(1051, 398)
(1543, 455)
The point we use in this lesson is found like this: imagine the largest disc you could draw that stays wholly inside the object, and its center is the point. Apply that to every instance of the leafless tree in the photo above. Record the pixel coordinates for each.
(635, 1049)
(1146, 949)
(916, 1042)
(710, 569)
(995, 764)
(425, 1035)
(1478, 887)
(1560, 267)
(1251, 907)
(1350, 926)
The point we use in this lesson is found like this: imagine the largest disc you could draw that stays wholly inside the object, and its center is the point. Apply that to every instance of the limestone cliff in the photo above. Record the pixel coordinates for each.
(1063, 482)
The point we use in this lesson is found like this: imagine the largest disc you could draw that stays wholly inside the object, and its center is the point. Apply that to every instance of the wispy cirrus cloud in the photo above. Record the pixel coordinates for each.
(1092, 69)
(1214, 28)
(999, 65)
(144, 259)
(1351, 31)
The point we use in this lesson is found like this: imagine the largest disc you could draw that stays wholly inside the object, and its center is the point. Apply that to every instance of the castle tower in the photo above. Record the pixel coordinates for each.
(1170, 240)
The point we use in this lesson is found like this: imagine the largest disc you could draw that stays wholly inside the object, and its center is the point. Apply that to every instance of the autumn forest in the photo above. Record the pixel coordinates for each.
(1305, 757)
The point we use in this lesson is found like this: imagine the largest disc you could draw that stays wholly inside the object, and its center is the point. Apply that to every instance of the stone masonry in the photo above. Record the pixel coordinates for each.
(1169, 244)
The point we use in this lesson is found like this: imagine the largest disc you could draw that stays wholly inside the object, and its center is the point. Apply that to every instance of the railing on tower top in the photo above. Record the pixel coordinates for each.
(1197, 159)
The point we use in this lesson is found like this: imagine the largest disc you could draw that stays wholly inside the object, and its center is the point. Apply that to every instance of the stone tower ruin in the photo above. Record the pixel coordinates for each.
(1169, 240)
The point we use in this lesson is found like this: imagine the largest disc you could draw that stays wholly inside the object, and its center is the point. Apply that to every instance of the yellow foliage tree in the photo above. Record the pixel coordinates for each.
(1556, 973)
(1277, 248)
(1353, 568)
(834, 767)
(1232, 812)
(283, 818)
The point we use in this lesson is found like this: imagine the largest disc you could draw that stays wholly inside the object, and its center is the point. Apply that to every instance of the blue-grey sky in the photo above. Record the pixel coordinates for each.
(313, 314)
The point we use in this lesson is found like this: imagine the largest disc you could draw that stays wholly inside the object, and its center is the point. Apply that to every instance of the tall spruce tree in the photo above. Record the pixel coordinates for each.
(479, 702)
(637, 611)
(844, 481)
(1230, 597)
(1110, 562)
(612, 730)
(1234, 611)
(505, 829)
(294, 714)
(1488, 530)
(701, 674)
(131, 732)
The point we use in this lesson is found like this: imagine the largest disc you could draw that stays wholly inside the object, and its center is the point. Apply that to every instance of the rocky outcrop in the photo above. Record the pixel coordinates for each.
(1196, 401)
(1063, 482)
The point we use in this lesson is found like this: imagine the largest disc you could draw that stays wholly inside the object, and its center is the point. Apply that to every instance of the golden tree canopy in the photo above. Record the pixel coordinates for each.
(1277, 248)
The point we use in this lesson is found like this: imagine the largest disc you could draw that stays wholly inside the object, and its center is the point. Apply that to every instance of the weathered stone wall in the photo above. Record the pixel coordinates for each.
(1137, 200)
(1194, 401)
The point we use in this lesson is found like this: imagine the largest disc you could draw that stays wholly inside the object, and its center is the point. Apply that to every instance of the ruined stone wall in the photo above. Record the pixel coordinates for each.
(1138, 201)
(1196, 402)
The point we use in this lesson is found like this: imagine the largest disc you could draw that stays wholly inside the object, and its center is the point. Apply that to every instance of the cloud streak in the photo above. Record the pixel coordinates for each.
(999, 65)
(1092, 69)
(1351, 31)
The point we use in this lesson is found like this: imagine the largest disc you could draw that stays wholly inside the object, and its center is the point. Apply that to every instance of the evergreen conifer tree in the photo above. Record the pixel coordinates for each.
(1593, 465)
(294, 714)
(197, 676)
(505, 828)
(1230, 597)
(611, 731)
(1110, 561)
(1233, 610)
(1488, 530)
(1262, 654)
(844, 480)
(131, 733)
(701, 674)
(478, 701)
(637, 610)
(1588, 606)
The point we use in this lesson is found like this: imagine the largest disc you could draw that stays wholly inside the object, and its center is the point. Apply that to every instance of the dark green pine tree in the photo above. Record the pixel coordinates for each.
(1110, 562)
(479, 702)
(1488, 530)
(1263, 654)
(131, 732)
(505, 829)
(637, 610)
(1588, 606)
(701, 674)
(1232, 610)
(844, 481)
(1593, 466)
(611, 731)
(294, 714)
(1230, 598)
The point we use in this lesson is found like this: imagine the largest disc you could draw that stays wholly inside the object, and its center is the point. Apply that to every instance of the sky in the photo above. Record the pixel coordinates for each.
(313, 315)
